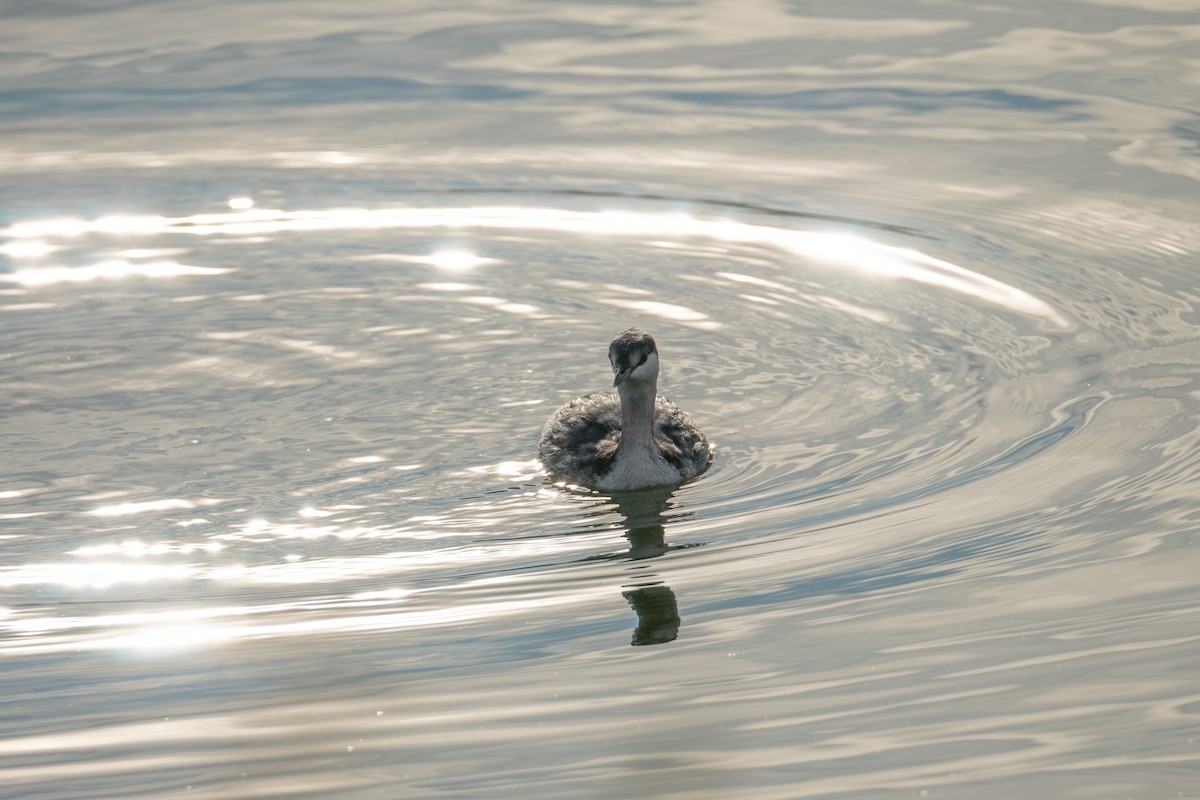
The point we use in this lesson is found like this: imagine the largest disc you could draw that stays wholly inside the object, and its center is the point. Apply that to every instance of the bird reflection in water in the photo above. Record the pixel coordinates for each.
(644, 513)
(657, 611)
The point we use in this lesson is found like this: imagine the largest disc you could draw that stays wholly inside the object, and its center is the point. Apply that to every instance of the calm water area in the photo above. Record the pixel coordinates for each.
(287, 291)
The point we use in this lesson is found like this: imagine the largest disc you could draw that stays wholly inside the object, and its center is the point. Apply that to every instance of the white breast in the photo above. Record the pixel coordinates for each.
(638, 468)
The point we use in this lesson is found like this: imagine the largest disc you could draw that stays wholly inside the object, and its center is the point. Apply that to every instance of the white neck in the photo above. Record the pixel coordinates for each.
(637, 414)
(640, 462)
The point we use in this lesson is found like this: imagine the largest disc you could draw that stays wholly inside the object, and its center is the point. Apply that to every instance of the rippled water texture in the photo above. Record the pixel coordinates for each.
(285, 298)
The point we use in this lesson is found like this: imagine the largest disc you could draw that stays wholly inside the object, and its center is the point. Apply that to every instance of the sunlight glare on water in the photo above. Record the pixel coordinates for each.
(838, 249)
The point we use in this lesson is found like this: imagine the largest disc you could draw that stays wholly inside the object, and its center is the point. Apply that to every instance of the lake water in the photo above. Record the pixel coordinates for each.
(287, 292)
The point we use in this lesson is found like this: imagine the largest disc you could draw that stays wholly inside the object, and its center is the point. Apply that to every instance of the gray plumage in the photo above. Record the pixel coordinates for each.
(629, 440)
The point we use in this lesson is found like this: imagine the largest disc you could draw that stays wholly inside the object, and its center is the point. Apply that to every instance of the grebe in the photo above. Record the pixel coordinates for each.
(632, 441)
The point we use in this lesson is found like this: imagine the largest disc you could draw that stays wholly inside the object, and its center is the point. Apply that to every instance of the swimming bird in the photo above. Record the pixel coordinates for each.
(629, 440)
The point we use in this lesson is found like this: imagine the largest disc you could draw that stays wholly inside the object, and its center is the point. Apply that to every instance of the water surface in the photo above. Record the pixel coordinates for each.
(284, 303)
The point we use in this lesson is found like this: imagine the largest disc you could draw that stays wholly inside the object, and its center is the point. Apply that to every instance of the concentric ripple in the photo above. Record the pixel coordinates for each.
(272, 425)
(844, 371)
